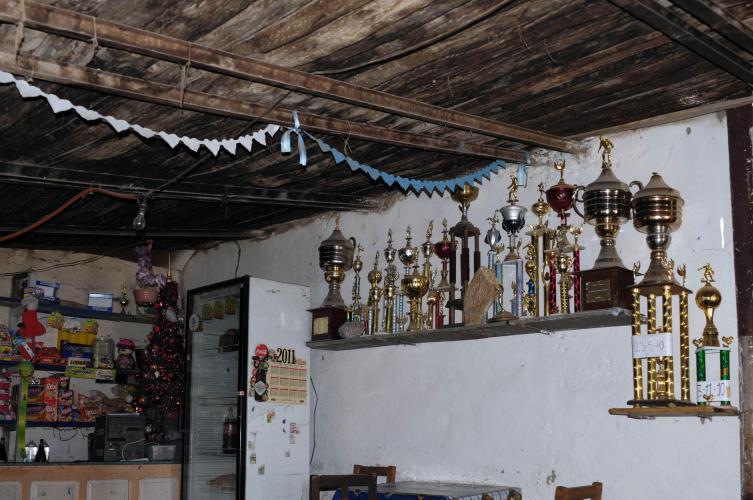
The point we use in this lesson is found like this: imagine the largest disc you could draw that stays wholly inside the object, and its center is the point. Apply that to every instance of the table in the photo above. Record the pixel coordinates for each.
(434, 490)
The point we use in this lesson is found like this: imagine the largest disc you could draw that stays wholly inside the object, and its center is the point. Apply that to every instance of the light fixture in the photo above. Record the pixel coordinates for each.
(139, 222)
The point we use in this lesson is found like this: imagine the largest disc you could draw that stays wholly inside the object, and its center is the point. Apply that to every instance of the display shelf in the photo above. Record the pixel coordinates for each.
(59, 425)
(79, 312)
(39, 367)
(604, 318)
(677, 411)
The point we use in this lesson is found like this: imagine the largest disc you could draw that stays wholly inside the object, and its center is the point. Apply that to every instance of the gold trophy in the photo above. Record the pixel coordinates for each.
(657, 211)
(375, 294)
(335, 259)
(606, 206)
(415, 287)
(541, 241)
(408, 255)
(708, 299)
(513, 220)
(355, 310)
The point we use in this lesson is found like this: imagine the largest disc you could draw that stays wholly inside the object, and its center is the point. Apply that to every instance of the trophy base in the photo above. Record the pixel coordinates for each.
(326, 321)
(503, 316)
(606, 288)
(660, 403)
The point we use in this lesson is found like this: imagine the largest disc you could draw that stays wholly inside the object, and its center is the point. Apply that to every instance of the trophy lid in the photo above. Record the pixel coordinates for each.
(656, 187)
(336, 249)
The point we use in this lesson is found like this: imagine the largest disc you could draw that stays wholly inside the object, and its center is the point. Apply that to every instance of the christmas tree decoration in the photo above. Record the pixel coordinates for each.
(162, 378)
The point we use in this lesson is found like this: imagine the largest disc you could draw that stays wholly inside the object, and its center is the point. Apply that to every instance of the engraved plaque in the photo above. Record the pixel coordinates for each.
(598, 291)
(321, 325)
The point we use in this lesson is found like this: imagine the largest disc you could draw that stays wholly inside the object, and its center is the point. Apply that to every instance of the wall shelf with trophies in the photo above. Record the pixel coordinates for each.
(678, 411)
(603, 318)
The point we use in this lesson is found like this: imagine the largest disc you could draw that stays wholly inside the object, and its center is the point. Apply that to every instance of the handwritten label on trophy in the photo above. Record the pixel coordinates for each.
(652, 346)
(716, 391)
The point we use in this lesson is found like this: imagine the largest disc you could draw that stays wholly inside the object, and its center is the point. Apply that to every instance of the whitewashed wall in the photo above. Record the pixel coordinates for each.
(528, 411)
(106, 275)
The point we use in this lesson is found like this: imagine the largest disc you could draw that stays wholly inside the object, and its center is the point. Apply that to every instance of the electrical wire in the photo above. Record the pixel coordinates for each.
(238, 263)
(420, 46)
(46, 218)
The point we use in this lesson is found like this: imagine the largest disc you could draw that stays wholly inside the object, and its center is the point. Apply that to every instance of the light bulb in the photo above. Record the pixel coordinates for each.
(139, 222)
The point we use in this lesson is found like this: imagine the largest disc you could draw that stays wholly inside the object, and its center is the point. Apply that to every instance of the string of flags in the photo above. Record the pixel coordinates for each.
(214, 146)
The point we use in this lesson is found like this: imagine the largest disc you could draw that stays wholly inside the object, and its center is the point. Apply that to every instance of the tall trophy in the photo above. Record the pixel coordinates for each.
(356, 309)
(408, 256)
(375, 294)
(513, 220)
(561, 198)
(606, 206)
(444, 250)
(463, 231)
(493, 238)
(657, 211)
(711, 389)
(542, 239)
(390, 324)
(415, 286)
(335, 259)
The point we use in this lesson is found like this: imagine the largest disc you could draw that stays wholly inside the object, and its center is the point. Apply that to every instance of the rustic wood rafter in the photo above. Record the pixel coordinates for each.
(720, 20)
(160, 93)
(662, 19)
(79, 26)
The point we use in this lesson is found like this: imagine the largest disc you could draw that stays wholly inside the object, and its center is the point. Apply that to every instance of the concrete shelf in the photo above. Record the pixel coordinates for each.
(678, 411)
(604, 318)
(79, 312)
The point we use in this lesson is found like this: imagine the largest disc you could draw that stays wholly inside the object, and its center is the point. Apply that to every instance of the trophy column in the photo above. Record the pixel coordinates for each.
(560, 197)
(462, 232)
(535, 259)
(513, 220)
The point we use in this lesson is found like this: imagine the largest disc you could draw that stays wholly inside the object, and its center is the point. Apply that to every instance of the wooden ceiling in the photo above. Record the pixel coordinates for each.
(564, 67)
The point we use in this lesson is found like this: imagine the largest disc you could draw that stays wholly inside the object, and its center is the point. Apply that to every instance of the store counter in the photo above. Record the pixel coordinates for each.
(90, 480)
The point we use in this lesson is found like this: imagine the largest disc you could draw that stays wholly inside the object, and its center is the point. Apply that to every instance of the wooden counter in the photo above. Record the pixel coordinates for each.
(90, 481)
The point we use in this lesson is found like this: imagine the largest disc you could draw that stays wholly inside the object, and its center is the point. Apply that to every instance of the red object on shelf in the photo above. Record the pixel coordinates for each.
(145, 296)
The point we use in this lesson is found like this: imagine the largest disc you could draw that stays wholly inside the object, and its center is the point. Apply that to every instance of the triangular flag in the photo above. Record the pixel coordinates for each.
(404, 183)
(172, 139)
(246, 141)
(118, 125)
(191, 143)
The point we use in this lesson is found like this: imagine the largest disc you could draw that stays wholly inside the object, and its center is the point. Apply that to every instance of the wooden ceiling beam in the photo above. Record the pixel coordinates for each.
(160, 93)
(720, 20)
(664, 20)
(83, 27)
(129, 232)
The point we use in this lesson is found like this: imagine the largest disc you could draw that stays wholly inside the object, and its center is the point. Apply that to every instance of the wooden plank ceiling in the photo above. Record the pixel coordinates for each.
(559, 66)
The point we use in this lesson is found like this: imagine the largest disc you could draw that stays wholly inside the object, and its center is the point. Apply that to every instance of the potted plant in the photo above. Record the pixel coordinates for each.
(148, 283)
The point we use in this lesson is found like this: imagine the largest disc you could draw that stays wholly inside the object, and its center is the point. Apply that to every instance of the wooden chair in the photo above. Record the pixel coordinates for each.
(592, 492)
(342, 483)
(390, 471)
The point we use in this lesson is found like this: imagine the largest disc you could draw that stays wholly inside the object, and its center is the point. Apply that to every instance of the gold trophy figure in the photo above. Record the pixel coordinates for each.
(463, 231)
(355, 310)
(541, 240)
(415, 287)
(444, 250)
(408, 255)
(375, 293)
(431, 303)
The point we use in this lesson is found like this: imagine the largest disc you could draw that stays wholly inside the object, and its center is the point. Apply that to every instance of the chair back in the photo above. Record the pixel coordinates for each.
(592, 492)
(342, 482)
(389, 471)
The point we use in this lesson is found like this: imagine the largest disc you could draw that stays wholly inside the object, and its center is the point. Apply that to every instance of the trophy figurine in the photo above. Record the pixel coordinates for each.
(375, 294)
(606, 206)
(657, 211)
(513, 220)
(335, 259)
(530, 303)
(708, 299)
(415, 286)
(390, 292)
(561, 198)
(463, 231)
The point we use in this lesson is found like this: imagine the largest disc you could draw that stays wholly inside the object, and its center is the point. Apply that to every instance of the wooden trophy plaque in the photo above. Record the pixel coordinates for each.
(606, 288)
(325, 322)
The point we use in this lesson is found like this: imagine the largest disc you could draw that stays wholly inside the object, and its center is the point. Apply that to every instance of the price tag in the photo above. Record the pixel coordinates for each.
(652, 345)
(713, 392)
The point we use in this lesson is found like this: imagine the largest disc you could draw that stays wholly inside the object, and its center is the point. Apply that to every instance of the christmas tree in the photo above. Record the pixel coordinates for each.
(162, 376)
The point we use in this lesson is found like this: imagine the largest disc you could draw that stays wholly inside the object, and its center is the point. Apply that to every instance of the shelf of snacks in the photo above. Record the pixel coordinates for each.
(58, 425)
(79, 312)
(603, 318)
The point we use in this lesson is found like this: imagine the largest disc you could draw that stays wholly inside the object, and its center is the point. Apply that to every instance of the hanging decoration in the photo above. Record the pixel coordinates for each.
(417, 185)
(59, 105)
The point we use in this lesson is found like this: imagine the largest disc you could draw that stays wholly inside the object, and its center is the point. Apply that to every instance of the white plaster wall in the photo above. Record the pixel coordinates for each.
(107, 275)
(529, 411)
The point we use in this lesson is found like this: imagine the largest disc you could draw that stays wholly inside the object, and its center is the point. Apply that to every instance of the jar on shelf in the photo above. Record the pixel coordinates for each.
(104, 353)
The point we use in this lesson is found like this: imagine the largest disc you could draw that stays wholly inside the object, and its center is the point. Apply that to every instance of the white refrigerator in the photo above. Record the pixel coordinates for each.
(246, 418)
